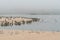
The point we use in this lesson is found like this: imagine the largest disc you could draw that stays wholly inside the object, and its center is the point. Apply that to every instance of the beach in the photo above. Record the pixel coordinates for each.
(48, 29)
(28, 35)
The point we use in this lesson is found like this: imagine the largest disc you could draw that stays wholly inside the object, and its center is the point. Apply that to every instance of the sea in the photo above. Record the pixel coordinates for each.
(46, 23)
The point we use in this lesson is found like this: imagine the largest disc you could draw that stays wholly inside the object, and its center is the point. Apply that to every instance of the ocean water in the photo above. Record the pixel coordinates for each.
(46, 23)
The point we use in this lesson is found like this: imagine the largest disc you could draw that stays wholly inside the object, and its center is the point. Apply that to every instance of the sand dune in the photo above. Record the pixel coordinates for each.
(28, 35)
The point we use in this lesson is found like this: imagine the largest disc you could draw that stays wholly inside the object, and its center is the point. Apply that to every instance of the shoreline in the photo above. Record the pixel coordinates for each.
(28, 35)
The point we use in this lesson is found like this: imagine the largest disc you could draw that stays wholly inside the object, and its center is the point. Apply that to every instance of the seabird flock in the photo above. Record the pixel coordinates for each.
(10, 21)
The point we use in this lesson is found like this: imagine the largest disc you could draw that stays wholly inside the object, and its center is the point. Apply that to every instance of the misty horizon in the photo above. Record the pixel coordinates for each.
(30, 7)
(31, 12)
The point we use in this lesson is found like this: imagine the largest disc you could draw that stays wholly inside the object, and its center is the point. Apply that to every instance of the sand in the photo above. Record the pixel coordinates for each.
(28, 35)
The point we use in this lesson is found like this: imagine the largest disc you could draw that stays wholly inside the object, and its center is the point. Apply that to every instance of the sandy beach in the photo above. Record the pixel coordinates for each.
(28, 35)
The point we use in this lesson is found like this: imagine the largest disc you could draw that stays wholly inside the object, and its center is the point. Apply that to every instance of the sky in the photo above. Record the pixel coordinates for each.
(28, 6)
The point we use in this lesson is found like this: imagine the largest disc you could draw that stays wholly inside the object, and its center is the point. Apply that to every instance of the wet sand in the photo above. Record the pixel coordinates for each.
(28, 35)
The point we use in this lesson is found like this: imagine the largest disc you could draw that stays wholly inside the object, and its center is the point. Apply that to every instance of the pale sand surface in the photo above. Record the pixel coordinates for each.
(28, 35)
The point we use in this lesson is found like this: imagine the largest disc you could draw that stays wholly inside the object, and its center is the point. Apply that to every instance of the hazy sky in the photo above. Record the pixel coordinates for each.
(20, 6)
